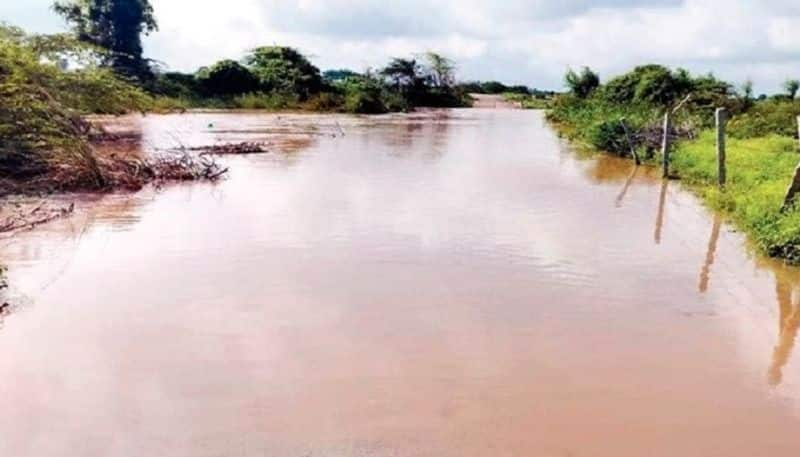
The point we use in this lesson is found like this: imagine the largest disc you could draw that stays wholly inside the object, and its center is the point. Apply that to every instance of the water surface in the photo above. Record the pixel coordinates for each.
(454, 283)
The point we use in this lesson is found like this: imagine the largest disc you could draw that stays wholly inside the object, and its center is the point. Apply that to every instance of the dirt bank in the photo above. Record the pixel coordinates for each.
(486, 101)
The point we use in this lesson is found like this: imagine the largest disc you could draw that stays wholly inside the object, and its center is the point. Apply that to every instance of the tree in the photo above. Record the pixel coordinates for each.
(746, 96)
(442, 70)
(285, 70)
(792, 86)
(583, 84)
(114, 25)
(652, 84)
(404, 73)
(226, 78)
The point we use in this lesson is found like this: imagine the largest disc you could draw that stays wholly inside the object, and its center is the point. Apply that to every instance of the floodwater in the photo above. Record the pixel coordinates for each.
(454, 283)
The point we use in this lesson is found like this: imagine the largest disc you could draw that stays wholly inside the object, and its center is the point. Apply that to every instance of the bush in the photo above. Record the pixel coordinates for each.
(174, 84)
(265, 101)
(659, 86)
(324, 101)
(769, 117)
(364, 96)
(226, 78)
(284, 70)
(582, 84)
(41, 104)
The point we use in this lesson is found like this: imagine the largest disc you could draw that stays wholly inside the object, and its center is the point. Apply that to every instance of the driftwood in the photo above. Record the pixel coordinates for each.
(631, 145)
(232, 149)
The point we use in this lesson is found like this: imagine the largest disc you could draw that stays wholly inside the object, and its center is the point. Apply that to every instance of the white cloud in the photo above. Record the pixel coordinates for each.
(519, 41)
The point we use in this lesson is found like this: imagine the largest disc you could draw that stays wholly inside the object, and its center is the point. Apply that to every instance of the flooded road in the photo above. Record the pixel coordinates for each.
(444, 284)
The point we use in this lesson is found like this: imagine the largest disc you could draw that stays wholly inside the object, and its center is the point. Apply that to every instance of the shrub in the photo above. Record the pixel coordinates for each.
(284, 70)
(226, 78)
(265, 101)
(582, 84)
(769, 117)
(177, 85)
(41, 104)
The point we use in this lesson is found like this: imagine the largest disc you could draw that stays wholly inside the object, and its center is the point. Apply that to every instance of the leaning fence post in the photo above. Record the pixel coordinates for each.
(791, 193)
(722, 118)
(634, 154)
(665, 143)
(798, 129)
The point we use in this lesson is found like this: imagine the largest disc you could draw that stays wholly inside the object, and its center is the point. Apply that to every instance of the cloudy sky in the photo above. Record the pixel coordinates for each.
(517, 41)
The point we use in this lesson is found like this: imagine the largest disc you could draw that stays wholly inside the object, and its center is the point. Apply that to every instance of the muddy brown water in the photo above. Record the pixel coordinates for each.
(442, 284)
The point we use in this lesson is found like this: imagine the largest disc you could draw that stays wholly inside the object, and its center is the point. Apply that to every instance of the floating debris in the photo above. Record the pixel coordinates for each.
(233, 149)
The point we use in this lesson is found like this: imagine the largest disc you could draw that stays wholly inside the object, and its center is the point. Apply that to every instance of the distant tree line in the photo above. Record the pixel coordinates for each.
(497, 88)
(282, 75)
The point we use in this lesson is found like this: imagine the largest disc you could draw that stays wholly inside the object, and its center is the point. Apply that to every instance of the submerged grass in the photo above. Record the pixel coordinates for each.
(759, 172)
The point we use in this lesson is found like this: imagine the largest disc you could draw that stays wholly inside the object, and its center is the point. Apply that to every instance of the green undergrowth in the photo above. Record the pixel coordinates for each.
(759, 172)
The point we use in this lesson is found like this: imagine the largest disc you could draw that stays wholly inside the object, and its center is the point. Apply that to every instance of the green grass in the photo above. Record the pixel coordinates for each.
(760, 168)
(759, 172)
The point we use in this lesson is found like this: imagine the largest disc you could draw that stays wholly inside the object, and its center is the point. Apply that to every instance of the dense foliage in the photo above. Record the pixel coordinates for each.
(599, 114)
(277, 77)
(582, 84)
(226, 78)
(284, 70)
(41, 103)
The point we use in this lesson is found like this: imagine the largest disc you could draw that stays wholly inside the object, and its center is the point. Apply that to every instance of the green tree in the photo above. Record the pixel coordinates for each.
(285, 70)
(652, 84)
(407, 81)
(226, 78)
(441, 69)
(404, 73)
(114, 25)
(746, 95)
(582, 84)
(792, 86)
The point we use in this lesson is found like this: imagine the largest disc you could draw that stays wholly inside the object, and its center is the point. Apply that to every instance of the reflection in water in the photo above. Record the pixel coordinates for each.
(662, 200)
(711, 252)
(627, 186)
(436, 290)
(788, 325)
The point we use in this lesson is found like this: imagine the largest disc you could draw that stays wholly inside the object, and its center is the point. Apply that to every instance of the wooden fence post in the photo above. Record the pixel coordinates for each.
(722, 119)
(634, 154)
(665, 143)
(791, 193)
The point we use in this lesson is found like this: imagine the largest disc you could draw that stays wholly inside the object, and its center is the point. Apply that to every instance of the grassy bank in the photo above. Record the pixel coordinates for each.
(759, 172)
(762, 151)
(45, 139)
